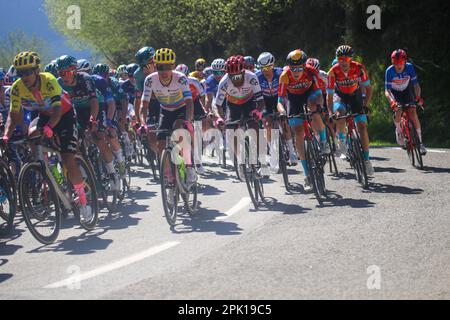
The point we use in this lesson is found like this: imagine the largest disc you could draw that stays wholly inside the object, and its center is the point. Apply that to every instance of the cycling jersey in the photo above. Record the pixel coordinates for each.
(212, 85)
(4, 107)
(49, 97)
(117, 91)
(400, 81)
(101, 85)
(196, 74)
(139, 76)
(270, 89)
(83, 91)
(323, 80)
(309, 80)
(129, 90)
(171, 97)
(347, 83)
(196, 88)
(249, 91)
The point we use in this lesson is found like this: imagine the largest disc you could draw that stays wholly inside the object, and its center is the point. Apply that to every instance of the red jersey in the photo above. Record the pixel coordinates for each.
(288, 83)
(350, 82)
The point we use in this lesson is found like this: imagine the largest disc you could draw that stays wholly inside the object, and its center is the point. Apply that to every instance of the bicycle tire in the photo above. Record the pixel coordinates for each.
(8, 183)
(416, 146)
(283, 155)
(170, 210)
(26, 206)
(360, 162)
(313, 175)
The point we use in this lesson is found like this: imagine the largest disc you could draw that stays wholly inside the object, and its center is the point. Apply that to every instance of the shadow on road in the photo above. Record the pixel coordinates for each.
(387, 188)
(209, 190)
(290, 209)
(389, 170)
(204, 221)
(427, 169)
(379, 159)
(336, 200)
(4, 276)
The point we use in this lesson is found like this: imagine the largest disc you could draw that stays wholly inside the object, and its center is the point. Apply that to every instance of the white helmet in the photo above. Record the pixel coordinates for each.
(266, 59)
(84, 65)
(218, 65)
(183, 69)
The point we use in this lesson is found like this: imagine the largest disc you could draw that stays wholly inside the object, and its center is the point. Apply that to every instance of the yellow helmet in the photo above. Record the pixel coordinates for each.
(165, 56)
(26, 60)
(200, 64)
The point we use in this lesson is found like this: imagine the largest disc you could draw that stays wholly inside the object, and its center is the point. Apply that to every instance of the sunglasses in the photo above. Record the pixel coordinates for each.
(64, 73)
(25, 73)
(344, 59)
(237, 77)
(218, 73)
(164, 67)
(267, 68)
(297, 69)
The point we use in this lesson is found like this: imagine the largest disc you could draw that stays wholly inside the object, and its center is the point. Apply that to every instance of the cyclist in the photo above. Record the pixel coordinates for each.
(86, 92)
(212, 84)
(200, 65)
(299, 84)
(145, 60)
(51, 68)
(402, 86)
(243, 94)
(171, 89)
(269, 80)
(198, 98)
(345, 82)
(102, 71)
(41, 92)
(249, 63)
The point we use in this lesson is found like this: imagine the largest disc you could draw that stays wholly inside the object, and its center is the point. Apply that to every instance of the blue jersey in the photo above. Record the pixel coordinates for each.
(270, 90)
(129, 89)
(102, 86)
(212, 85)
(400, 81)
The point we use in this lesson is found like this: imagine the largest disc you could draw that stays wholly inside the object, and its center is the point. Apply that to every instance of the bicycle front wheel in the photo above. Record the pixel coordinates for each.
(314, 177)
(169, 189)
(40, 204)
(91, 193)
(8, 199)
(416, 147)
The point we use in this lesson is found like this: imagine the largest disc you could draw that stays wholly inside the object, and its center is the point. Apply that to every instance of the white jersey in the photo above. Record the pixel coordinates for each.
(171, 97)
(324, 76)
(196, 87)
(250, 90)
(4, 107)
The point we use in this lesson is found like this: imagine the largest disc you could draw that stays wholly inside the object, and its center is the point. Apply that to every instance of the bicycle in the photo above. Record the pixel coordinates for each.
(44, 191)
(355, 153)
(412, 141)
(331, 143)
(174, 184)
(8, 198)
(252, 174)
(315, 159)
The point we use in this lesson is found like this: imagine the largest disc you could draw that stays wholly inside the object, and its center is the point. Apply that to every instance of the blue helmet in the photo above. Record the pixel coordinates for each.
(144, 55)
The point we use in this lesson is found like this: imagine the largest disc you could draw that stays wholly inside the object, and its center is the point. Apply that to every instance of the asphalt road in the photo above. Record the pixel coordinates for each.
(391, 242)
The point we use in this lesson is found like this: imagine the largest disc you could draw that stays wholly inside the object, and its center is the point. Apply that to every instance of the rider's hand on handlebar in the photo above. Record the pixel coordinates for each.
(5, 140)
(394, 106)
(142, 130)
(256, 114)
(420, 101)
(48, 131)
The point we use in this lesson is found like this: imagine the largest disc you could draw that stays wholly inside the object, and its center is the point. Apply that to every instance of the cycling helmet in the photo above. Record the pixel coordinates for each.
(296, 58)
(101, 69)
(344, 51)
(335, 61)
(218, 65)
(84, 65)
(131, 69)
(235, 65)
(200, 64)
(66, 62)
(144, 56)
(122, 69)
(249, 63)
(26, 60)
(266, 59)
(398, 56)
(207, 72)
(183, 69)
(165, 56)
(314, 63)
(51, 68)
(113, 73)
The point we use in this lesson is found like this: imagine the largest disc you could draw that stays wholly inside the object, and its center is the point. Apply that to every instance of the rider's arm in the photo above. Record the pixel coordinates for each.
(93, 101)
(282, 93)
(187, 95)
(221, 95)
(330, 91)
(145, 100)
(257, 93)
(365, 82)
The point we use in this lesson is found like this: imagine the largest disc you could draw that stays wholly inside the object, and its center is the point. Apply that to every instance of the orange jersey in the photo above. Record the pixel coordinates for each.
(350, 82)
(288, 84)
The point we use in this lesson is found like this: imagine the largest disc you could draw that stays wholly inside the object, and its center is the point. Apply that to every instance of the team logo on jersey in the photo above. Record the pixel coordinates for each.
(182, 81)
(50, 87)
(253, 82)
(148, 82)
(347, 82)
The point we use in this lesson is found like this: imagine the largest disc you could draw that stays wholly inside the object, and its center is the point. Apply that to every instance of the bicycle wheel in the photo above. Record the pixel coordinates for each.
(169, 189)
(320, 162)
(313, 173)
(190, 199)
(152, 160)
(415, 147)
(331, 156)
(91, 193)
(39, 203)
(109, 190)
(8, 199)
(250, 177)
(360, 163)
(283, 154)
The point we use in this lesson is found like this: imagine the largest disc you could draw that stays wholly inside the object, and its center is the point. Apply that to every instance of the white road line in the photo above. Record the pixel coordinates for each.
(113, 266)
(429, 150)
(238, 207)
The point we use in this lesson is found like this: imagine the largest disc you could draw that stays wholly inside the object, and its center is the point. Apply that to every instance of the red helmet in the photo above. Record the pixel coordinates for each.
(235, 65)
(398, 56)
